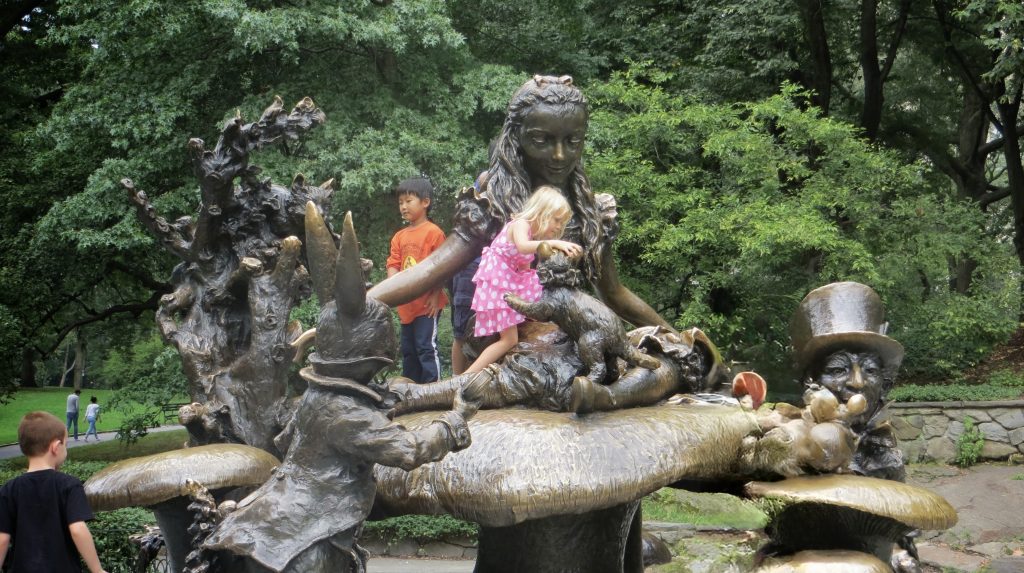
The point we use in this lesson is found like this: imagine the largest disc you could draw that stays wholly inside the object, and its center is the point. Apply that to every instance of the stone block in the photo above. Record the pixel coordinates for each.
(934, 426)
(1016, 436)
(913, 451)
(940, 450)
(976, 415)
(1007, 565)
(997, 450)
(403, 548)
(1011, 420)
(440, 549)
(954, 430)
(994, 432)
(904, 430)
(374, 545)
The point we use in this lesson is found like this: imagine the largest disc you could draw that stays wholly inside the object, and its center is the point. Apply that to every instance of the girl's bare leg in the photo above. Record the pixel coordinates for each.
(493, 353)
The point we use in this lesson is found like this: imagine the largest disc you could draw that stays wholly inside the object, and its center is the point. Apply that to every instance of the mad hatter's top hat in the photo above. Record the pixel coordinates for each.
(844, 315)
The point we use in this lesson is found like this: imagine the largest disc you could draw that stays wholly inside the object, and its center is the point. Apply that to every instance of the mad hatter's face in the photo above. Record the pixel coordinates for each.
(847, 373)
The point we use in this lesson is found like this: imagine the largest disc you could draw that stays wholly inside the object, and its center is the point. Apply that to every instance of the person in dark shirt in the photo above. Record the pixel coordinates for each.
(43, 511)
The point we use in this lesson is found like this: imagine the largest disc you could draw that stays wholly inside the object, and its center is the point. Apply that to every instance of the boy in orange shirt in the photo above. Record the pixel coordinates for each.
(420, 360)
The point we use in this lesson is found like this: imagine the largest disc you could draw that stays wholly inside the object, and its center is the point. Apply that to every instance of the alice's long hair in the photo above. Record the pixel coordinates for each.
(509, 185)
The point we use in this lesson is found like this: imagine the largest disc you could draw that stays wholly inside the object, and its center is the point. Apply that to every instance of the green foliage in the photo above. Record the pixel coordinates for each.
(732, 213)
(680, 506)
(148, 373)
(421, 527)
(952, 392)
(111, 531)
(1007, 378)
(969, 444)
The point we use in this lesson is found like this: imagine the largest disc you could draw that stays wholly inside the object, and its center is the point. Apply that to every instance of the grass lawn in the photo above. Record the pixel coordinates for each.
(54, 400)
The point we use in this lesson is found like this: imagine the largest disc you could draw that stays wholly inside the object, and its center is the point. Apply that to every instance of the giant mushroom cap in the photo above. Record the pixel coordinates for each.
(159, 482)
(532, 464)
(151, 480)
(850, 512)
(834, 561)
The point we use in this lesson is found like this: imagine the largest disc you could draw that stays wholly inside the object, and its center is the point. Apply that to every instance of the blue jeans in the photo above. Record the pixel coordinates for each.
(420, 362)
(73, 420)
(92, 428)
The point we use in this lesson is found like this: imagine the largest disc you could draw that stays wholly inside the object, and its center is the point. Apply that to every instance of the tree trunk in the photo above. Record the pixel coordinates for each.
(812, 14)
(28, 369)
(871, 113)
(79, 360)
(969, 176)
(1008, 114)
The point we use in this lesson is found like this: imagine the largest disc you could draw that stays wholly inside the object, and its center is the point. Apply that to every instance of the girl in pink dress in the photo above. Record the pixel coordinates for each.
(505, 267)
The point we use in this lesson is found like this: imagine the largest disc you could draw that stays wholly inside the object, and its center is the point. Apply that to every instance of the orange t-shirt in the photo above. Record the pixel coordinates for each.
(408, 247)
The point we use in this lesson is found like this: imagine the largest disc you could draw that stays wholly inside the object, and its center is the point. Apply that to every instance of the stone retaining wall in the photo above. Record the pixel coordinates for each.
(928, 431)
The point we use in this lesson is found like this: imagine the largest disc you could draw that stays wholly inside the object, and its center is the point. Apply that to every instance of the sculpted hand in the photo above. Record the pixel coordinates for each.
(471, 395)
(570, 249)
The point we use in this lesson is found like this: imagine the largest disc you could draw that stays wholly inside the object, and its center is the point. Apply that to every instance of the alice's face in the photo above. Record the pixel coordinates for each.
(552, 141)
(848, 373)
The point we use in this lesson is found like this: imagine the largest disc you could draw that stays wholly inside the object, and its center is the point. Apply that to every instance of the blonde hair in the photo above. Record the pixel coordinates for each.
(544, 204)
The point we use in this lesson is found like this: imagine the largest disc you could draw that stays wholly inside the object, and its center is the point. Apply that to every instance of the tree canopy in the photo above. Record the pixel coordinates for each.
(758, 149)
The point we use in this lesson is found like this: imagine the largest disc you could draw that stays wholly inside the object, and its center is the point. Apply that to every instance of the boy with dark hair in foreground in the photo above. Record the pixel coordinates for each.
(43, 510)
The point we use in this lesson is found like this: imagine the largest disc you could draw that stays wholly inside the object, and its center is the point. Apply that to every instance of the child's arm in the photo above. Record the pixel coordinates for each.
(520, 236)
(5, 542)
(86, 548)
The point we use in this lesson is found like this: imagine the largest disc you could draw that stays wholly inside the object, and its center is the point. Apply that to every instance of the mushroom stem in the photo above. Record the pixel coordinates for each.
(173, 517)
(602, 541)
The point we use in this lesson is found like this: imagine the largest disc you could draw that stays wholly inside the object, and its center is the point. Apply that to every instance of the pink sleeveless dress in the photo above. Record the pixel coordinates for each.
(502, 269)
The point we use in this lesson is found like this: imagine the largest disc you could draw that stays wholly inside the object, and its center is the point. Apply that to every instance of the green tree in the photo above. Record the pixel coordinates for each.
(732, 212)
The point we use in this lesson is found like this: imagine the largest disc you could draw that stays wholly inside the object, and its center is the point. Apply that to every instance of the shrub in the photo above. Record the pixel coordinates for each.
(1007, 378)
(969, 444)
(111, 531)
(952, 392)
(421, 527)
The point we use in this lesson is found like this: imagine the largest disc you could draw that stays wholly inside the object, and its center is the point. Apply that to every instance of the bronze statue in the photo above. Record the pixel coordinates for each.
(307, 517)
(841, 349)
(600, 338)
(240, 276)
(541, 143)
(839, 341)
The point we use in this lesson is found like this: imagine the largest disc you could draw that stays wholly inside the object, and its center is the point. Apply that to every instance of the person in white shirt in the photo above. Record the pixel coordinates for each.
(92, 414)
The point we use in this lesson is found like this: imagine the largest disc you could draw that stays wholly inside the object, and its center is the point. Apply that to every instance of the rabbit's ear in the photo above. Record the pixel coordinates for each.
(322, 254)
(349, 286)
(544, 251)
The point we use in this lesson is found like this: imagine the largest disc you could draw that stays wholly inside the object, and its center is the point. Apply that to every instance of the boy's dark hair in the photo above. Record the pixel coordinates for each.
(418, 186)
(93, 399)
(37, 431)
(79, 392)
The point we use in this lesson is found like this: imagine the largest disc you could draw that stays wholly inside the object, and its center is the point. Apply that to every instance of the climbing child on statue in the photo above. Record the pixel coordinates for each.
(505, 267)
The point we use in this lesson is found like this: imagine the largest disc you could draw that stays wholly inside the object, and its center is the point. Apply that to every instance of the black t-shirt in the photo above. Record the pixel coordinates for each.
(36, 509)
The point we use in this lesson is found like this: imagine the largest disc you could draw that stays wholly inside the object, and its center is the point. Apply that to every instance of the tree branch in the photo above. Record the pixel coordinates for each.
(135, 309)
(987, 199)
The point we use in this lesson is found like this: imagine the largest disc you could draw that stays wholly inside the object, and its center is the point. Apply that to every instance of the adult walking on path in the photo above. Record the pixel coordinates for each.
(72, 411)
(92, 415)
